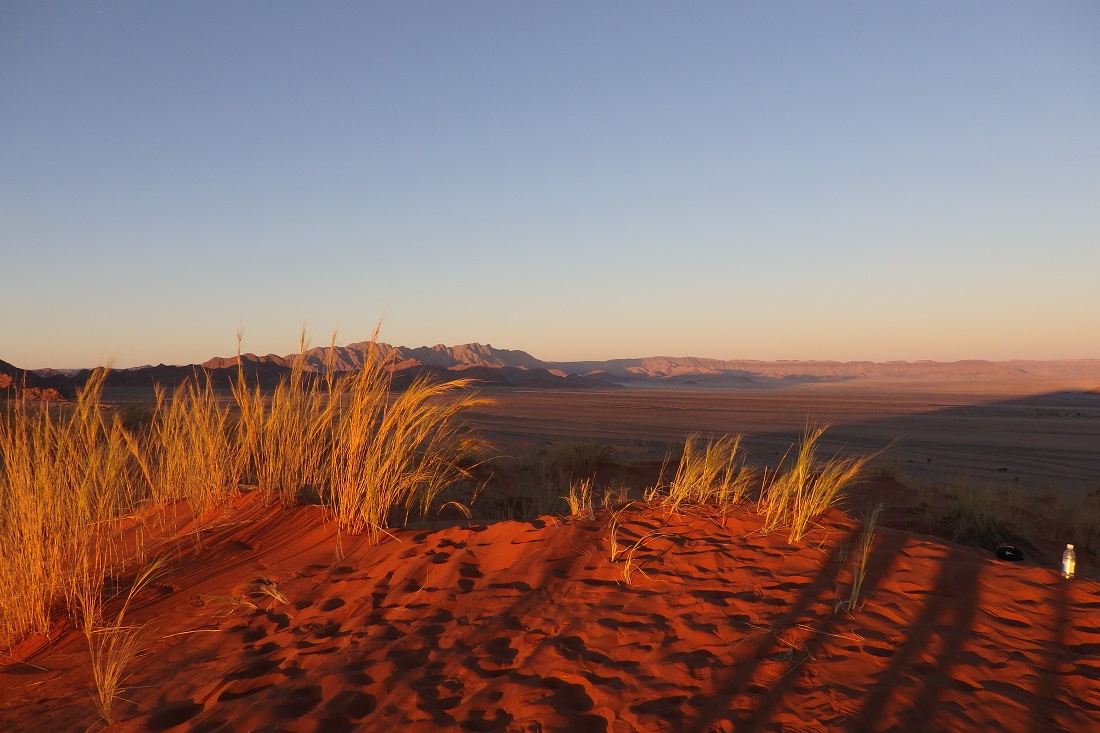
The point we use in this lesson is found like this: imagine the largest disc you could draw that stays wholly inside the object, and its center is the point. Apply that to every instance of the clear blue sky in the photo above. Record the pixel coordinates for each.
(575, 179)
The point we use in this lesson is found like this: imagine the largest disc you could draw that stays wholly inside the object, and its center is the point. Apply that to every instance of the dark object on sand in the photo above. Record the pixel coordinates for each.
(1010, 553)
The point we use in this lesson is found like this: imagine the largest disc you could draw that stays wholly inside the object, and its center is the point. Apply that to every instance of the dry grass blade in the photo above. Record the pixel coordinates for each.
(859, 562)
(710, 473)
(113, 644)
(613, 528)
(267, 588)
(580, 499)
(112, 648)
(630, 566)
(808, 488)
(68, 473)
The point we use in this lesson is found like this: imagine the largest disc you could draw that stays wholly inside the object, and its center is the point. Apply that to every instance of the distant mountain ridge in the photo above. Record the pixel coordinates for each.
(514, 368)
(678, 368)
(669, 370)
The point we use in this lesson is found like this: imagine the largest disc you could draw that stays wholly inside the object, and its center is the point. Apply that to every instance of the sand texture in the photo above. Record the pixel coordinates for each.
(529, 626)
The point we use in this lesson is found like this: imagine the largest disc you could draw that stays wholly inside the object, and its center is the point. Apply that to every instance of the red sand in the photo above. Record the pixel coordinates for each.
(522, 626)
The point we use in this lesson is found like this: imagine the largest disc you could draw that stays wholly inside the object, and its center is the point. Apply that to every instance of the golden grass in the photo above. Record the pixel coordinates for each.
(714, 474)
(188, 451)
(347, 440)
(710, 473)
(854, 601)
(283, 437)
(625, 551)
(796, 497)
(580, 499)
(267, 588)
(69, 473)
(398, 454)
(630, 565)
(112, 644)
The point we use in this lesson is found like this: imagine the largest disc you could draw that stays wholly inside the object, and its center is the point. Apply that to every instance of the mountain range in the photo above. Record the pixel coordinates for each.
(512, 368)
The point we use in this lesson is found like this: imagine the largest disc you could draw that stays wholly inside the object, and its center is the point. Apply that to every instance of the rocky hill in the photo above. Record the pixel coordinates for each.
(513, 368)
(16, 382)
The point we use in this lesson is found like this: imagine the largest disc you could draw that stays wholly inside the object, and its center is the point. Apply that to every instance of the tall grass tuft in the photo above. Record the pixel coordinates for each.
(580, 499)
(188, 450)
(710, 473)
(392, 453)
(347, 439)
(859, 563)
(283, 438)
(68, 472)
(977, 514)
(112, 643)
(808, 488)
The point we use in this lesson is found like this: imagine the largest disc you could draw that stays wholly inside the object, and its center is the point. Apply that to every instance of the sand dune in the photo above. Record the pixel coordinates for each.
(526, 626)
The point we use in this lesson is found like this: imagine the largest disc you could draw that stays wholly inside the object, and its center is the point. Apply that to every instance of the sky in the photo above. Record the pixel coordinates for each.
(579, 180)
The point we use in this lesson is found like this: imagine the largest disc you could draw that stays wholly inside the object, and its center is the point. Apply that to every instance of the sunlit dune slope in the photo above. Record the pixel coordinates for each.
(275, 623)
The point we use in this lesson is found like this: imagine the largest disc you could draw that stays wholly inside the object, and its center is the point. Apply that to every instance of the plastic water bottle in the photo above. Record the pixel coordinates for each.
(1069, 562)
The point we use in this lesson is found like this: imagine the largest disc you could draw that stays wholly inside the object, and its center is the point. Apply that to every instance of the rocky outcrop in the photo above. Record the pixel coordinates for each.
(42, 393)
(16, 382)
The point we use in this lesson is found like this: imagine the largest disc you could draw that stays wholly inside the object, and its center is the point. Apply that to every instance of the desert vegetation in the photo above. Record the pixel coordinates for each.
(352, 442)
(69, 474)
(859, 557)
(74, 476)
(710, 473)
(713, 473)
(809, 486)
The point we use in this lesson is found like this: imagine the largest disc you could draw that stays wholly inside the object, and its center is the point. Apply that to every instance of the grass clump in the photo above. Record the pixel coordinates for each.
(187, 449)
(1080, 520)
(67, 474)
(345, 439)
(978, 515)
(710, 472)
(624, 551)
(112, 643)
(282, 437)
(854, 601)
(392, 454)
(577, 460)
(580, 499)
(714, 473)
(810, 486)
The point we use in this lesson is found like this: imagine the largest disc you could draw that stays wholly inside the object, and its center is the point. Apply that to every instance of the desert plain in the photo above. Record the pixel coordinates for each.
(535, 610)
(1042, 434)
